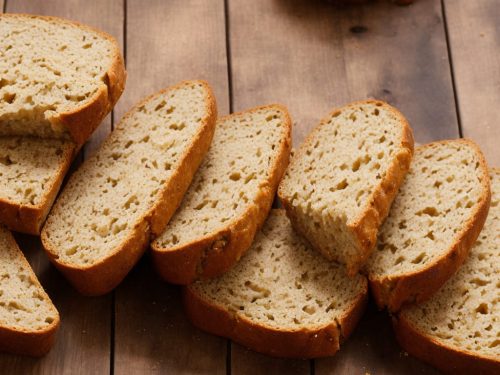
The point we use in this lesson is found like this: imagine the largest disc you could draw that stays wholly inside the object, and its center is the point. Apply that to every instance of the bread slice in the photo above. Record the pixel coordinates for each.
(28, 319)
(281, 298)
(342, 180)
(433, 222)
(126, 193)
(230, 196)
(32, 170)
(59, 78)
(458, 329)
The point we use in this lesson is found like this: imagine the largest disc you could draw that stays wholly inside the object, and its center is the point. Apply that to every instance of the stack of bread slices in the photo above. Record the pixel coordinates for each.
(363, 210)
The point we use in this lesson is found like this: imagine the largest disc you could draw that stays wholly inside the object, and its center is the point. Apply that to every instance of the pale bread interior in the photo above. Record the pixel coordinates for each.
(48, 67)
(332, 177)
(29, 167)
(115, 188)
(24, 305)
(441, 193)
(236, 168)
(281, 283)
(465, 312)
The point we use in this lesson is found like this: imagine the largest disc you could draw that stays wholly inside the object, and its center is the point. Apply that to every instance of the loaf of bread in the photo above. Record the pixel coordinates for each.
(433, 223)
(32, 170)
(126, 193)
(342, 180)
(28, 319)
(281, 298)
(230, 196)
(457, 329)
(59, 78)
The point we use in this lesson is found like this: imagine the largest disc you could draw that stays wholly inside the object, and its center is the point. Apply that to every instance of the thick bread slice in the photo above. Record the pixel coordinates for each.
(28, 319)
(433, 222)
(59, 78)
(32, 170)
(281, 298)
(342, 180)
(458, 329)
(230, 196)
(126, 193)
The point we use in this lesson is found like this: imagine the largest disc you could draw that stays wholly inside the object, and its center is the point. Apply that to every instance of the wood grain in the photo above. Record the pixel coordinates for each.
(83, 341)
(167, 42)
(313, 56)
(474, 37)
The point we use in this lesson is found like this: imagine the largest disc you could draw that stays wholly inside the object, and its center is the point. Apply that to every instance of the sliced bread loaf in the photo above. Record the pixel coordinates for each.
(229, 198)
(433, 222)
(281, 298)
(28, 319)
(342, 180)
(458, 329)
(32, 170)
(59, 78)
(126, 193)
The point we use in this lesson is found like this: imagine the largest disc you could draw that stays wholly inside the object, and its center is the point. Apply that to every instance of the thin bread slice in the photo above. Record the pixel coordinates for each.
(230, 196)
(126, 193)
(28, 319)
(433, 223)
(59, 78)
(32, 170)
(457, 329)
(342, 180)
(281, 298)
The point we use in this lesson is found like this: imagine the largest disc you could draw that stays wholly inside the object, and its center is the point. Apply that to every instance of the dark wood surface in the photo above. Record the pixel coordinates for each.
(436, 61)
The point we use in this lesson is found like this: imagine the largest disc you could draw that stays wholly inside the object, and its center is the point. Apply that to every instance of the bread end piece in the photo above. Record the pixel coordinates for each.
(417, 287)
(212, 255)
(445, 359)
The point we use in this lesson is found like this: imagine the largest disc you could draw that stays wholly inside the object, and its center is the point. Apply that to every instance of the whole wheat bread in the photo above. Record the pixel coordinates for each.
(433, 223)
(281, 298)
(28, 319)
(59, 78)
(126, 193)
(457, 329)
(342, 180)
(229, 198)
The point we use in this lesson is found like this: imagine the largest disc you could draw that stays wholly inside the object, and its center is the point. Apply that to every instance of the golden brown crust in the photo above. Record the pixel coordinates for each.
(27, 218)
(215, 253)
(395, 291)
(25, 342)
(447, 359)
(83, 120)
(364, 228)
(321, 341)
(103, 276)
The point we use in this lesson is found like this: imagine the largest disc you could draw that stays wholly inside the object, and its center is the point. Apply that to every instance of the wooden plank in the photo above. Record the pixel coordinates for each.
(83, 342)
(313, 56)
(167, 42)
(372, 349)
(474, 38)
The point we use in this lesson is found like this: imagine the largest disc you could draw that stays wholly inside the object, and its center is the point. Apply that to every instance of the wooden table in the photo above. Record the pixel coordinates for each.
(438, 61)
